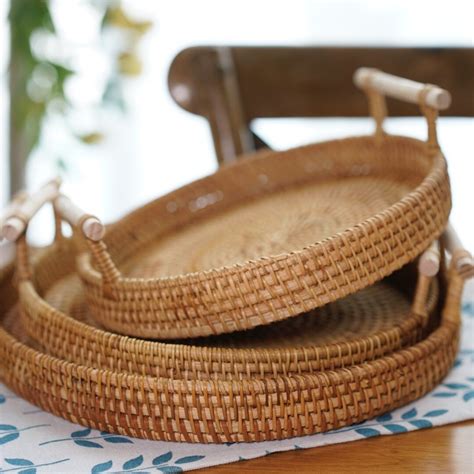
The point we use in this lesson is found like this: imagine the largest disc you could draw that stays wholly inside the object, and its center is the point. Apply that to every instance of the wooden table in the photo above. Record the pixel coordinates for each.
(447, 449)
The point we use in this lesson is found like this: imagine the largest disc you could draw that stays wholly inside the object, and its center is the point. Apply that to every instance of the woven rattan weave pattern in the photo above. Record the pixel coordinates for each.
(377, 308)
(257, 409)
(336, 216)
(380, 319)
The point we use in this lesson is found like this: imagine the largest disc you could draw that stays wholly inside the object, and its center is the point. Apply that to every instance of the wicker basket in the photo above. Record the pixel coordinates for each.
(274, 235)
(255, 409)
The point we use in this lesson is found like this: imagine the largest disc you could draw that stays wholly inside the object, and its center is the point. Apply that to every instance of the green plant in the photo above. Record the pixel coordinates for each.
(37, 79)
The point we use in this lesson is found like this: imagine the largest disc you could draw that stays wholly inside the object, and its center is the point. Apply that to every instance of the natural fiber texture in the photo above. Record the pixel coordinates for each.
(256, 409)
(270, 237)
(356, 329)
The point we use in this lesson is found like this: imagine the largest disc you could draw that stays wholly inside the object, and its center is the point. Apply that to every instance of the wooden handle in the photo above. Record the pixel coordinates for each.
(12, 208)
(400, 88)
(16, 224)
(429, 262)
(91, 226)
(462, 259)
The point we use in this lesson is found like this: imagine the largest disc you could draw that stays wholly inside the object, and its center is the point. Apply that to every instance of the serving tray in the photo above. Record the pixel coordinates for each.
(269, 237)
(122, 400)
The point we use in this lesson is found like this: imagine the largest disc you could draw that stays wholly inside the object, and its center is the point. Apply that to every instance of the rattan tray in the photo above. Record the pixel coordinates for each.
(361, 327)
(197, 272)
(272, 236)
(256, 409)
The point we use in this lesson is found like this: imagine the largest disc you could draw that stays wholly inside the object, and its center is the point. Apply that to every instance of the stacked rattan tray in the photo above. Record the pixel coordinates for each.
(359, 328)
(272, 236)
(333, 250)
(108, 382)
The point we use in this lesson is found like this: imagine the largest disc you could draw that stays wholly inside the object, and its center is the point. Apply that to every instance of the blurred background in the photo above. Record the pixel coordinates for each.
(90, 101)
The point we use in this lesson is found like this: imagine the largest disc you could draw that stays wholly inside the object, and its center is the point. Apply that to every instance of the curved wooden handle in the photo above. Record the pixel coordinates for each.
(462, 259)
(429, 262)
(11, 209)
(401, 88)
(17, 222)
(91, 226)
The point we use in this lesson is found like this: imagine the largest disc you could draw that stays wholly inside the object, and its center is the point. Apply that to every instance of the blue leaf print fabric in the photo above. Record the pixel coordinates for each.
(35, 442)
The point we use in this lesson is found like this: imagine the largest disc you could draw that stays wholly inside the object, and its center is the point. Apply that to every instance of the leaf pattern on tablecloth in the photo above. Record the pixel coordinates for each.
(392, 424)
(463, 390)
(163, 463)
(84, 439)
(10, 433)
(26, 466)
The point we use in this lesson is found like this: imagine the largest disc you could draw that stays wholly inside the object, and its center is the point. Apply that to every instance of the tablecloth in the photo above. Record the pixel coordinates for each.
(33, 441)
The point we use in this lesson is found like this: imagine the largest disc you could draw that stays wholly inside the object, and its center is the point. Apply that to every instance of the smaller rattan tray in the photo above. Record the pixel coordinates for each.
(358, 328)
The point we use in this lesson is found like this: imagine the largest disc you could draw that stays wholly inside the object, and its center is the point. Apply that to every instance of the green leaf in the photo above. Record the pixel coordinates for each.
(410, 414)
(87, 444)
(105, 466)
(162, 458)
(117, 439)
(187, 459)
(393, 428)
(421, 423)
(456, 386)
(19, 462)
(9, 437)
(31, 470)
(7, 427)
(367, 432)
(384, 417)
(133, 463)
(434, 413)
(468, 396)
(81, 433)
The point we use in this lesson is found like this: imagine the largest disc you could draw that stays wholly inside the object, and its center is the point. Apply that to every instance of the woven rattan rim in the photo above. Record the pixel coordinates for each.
(54, 330)
(226, 411)
(269, 289)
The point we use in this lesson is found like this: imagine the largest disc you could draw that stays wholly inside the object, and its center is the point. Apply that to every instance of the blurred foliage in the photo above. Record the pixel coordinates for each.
(37, 82)
(34, 82)
(115, 16)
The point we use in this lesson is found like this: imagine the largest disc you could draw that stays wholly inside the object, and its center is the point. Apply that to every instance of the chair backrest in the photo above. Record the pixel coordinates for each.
(231, 86)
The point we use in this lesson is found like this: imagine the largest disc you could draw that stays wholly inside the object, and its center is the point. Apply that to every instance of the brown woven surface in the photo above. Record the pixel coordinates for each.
(260, 408)
(358, 328)
(331, 218)
(380, 307)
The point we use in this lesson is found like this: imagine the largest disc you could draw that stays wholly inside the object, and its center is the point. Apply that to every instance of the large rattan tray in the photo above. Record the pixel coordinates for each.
(274, 235)
(122, 400)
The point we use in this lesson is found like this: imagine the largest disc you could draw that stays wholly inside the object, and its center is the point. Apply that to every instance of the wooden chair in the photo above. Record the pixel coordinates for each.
(231, 86)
